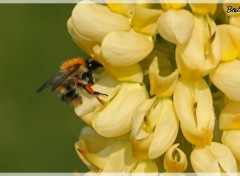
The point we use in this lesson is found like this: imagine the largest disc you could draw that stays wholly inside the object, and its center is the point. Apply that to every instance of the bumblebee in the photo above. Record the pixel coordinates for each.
(75, 74)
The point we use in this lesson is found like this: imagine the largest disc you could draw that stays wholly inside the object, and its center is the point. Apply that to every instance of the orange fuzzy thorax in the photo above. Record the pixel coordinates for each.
(70, 63)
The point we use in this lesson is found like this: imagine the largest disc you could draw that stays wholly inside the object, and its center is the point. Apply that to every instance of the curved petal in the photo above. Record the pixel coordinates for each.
(161, 86)
(229, 35)
(166, 128)
(175, 159)
(122, 48)
(114, 119)
(229, 118)
(93, 21)
(176, 26)
(194, 108)
(104, 155)
(202, 53)
(154, 128)
(145, 19)
(227, 78)
(214, 158)
(231, 138)
(129, 73)
(84, 44)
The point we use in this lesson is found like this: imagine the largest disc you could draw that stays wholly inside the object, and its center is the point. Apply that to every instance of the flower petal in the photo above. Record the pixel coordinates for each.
(227, 78)
(166, 128)
(84, 44)
(114, 119)
(161, 86)
(122, 48)
(214, 158)
(231, 138)
(202, 53)
(145, 19)
(129, 73)
(106, 155)
(194, 108)
(229, 35)
(93, 21)
(175, 159)
(229, 118)
(176, 26)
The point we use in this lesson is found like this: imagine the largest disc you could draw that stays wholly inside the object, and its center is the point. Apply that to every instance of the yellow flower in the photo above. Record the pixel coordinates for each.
(154, 128)
(155, 125)
(110, 155)
(193, 104)
(200, 55)
(215, 158)
(175, 159)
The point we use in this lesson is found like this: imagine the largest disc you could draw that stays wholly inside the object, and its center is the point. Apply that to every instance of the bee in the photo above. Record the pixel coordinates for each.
(74, 75)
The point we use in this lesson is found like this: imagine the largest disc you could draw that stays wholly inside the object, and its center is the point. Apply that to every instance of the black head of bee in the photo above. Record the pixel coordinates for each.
(92, 64)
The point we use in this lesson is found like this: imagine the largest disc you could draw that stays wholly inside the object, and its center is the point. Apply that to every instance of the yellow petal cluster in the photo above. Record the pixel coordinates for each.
(167, 66)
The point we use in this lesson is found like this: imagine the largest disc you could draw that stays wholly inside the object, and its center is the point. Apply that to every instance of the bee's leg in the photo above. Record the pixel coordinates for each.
(89, 89)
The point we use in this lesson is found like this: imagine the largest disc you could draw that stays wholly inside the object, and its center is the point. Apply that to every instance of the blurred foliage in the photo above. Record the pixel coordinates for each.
(38, 131)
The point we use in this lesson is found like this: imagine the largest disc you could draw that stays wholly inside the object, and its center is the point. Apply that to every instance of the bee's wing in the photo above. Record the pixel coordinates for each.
(57, 79)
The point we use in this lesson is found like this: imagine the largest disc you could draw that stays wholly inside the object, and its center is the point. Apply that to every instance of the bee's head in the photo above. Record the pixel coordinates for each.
(92, 64)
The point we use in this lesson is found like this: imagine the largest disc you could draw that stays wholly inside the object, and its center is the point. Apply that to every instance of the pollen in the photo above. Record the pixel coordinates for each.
(71, 62)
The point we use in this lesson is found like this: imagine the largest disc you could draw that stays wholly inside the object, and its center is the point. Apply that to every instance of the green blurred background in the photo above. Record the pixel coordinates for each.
(37, 131)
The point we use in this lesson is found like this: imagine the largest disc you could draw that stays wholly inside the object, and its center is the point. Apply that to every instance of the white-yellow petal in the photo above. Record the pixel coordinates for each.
(229, 36)
(227, 78)
(114, 119)
(161, 85)
(202, 53)
(83, 43)
(213, 158)
(231, 138)
(176, 26)
(175, 159)
(93, 21)
(129, 73)
(166, 128)
(194, 108)
(145, 19)
(122, 48)
(229, 118)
